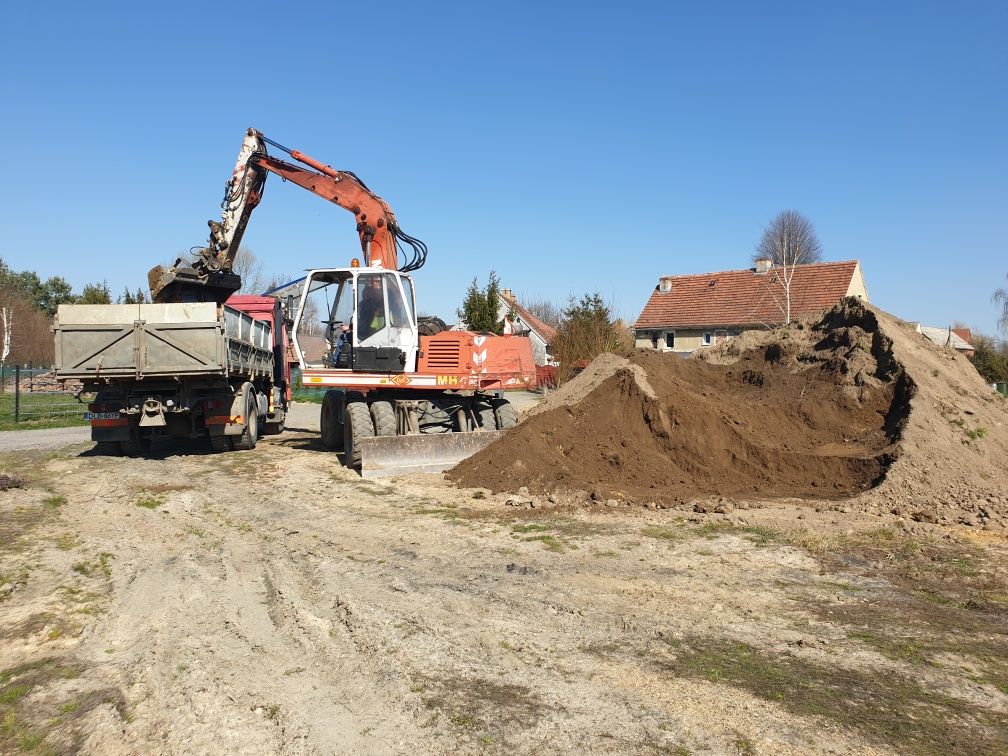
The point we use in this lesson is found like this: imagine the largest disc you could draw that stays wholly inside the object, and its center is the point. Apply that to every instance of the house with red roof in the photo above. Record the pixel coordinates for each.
(525, 323)
(686, 313)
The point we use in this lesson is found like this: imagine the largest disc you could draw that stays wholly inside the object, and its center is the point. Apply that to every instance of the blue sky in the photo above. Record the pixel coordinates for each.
(568, 146)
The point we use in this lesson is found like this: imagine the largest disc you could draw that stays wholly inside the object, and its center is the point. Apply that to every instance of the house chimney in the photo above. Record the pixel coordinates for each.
(665, 284)
(763, 266)
(506, 294)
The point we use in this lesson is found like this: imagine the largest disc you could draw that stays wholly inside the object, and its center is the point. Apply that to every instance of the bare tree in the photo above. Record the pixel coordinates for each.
(790, 240)
(250, 268)
(1000, 298)
(545, 310)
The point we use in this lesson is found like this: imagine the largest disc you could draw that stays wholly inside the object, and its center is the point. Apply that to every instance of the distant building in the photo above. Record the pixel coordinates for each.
(525, 323)
(960, 339)
(686, 313)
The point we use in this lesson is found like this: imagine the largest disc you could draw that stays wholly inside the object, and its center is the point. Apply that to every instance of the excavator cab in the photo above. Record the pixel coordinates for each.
(357, 319)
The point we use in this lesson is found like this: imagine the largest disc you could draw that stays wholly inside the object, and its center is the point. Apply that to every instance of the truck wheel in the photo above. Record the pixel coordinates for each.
(357, 425)
(505, 412)
(384, 418)
(485, 416)
(137, 446)
(250, 435)
(220, 444)
(329, 423)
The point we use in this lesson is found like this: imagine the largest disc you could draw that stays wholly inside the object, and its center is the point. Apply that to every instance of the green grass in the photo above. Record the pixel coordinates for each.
(54, 502)
(149, 501)
(532, 527)
(887, 708)
(14, 693)
(100, 566)
(311, 396)
(39, 411)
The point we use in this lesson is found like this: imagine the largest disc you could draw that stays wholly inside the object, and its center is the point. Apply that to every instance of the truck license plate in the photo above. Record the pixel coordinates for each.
(101, 415)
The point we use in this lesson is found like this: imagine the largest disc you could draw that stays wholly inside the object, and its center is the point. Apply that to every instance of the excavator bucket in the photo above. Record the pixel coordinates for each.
(384, 456)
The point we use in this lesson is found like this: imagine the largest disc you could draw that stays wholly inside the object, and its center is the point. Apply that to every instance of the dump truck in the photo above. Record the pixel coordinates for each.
(177, 370)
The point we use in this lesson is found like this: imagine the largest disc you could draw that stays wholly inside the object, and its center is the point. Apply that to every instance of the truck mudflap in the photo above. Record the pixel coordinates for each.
(384, 456)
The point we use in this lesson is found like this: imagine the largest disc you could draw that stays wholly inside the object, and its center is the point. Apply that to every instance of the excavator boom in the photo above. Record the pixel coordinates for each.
(210, 276)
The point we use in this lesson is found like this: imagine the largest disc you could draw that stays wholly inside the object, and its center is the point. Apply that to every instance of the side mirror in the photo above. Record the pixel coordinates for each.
(289, 304)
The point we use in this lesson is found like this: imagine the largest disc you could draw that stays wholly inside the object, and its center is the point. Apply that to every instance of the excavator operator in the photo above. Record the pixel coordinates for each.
(371, 310)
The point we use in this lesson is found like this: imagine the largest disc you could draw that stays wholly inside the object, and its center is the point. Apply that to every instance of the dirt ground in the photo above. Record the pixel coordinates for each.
(274, 602)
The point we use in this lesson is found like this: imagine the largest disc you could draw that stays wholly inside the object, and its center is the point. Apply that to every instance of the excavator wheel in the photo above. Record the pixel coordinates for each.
(485, 416)
(357, 425)
(331, 427)
(384, 418)
(505, 412)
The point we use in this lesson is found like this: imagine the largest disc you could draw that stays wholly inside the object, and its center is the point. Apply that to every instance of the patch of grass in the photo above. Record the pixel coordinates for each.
(196, 531)
(714, 530)
(150, 501)
(531, 527)
(66, 541)
(549, 542)
(99, 566)
(14, 693)
(479, 495)
(486, 710)
(979, 432)
(908, 650)
(666, 533)
(886, 708)
(54, 502)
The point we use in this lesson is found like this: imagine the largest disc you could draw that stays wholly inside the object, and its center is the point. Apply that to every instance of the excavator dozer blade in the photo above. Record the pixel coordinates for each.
(383, 456)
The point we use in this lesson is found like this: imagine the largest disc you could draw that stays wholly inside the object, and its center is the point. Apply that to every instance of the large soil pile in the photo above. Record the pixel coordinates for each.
(820, 410)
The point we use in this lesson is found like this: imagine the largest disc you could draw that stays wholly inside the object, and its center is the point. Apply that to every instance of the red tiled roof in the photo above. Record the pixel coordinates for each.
(547, 332)
(965, 334)
(743, 297)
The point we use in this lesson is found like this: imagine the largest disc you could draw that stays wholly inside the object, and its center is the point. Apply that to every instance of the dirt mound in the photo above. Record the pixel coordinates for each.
(572, 392)
(856, 402)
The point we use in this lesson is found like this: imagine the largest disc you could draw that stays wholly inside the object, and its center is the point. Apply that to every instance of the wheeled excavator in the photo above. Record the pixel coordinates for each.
(401, 397)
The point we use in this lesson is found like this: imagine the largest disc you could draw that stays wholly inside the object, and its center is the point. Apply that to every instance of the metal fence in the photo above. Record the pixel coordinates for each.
(301, 393)
(30, 394)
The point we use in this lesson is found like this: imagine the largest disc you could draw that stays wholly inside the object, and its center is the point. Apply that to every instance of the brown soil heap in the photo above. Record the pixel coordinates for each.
(820, 410)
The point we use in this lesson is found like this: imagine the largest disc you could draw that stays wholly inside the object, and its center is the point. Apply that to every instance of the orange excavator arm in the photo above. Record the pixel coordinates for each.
(210, 275)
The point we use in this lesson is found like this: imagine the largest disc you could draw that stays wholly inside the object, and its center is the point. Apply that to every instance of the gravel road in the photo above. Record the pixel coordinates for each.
(47, 438)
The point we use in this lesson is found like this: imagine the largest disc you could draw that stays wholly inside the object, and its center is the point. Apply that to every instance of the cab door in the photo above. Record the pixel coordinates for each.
(384, 325)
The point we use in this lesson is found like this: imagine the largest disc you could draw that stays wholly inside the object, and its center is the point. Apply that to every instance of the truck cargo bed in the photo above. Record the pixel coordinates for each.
(95, 342)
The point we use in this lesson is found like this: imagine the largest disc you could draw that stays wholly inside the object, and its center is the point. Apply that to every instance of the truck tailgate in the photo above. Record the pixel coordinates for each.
(103, 341)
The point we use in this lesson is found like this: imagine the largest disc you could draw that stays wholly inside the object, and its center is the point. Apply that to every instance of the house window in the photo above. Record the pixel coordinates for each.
(670, 339)
(706, 341)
